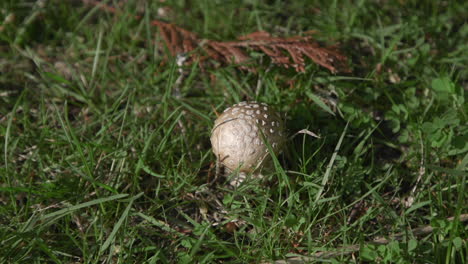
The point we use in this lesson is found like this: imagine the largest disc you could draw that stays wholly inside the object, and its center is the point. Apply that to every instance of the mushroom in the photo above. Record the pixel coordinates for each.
(239, 135)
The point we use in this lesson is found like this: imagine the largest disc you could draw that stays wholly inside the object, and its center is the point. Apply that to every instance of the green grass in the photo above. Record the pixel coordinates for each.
(102, 163)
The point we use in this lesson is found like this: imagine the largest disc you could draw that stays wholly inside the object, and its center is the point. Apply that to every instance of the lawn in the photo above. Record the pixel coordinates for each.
(105, 138)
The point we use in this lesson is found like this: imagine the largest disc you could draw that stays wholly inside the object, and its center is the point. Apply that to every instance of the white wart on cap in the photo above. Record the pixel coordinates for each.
(239, 134)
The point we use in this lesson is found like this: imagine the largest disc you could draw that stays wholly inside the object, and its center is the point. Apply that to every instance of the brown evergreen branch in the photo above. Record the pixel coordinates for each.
(177, 39)
(286, 52)
(290, 52)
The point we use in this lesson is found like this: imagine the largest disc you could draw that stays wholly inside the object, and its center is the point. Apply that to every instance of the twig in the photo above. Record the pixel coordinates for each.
(177, 93)
(348, 250)
(180, 60)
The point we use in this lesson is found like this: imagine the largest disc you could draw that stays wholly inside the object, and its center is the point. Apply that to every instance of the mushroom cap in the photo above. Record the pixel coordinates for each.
(239, 134)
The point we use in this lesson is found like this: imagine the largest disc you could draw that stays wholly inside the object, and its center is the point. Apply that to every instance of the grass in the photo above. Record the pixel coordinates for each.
(102, 163)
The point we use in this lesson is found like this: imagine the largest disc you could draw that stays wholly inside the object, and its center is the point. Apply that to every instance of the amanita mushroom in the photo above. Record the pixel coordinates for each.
(239, 135)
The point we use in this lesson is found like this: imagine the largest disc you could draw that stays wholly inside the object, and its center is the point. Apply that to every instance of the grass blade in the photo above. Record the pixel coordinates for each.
(117, 226)
(330, 164)
(69, 210)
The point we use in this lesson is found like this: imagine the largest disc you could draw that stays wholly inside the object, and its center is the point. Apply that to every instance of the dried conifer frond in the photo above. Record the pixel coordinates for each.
(286, 52)
(289, 52)
(178, 40)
